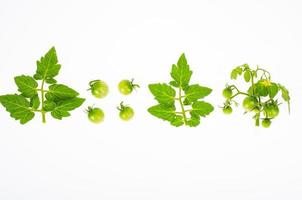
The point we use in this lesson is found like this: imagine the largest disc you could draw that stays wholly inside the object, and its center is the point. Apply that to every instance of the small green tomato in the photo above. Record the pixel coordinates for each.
(227, 93)
(126, 86)
(227, 110)
(271, 110)
(249, 103)
(95, 115)
(98, 88)
(266, 123)
(126, 112)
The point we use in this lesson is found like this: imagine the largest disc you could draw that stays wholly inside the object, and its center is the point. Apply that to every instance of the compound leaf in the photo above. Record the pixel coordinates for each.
(188, 95)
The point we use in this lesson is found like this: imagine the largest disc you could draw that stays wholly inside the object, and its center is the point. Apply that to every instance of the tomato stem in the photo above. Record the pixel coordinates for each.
(252, 81)
(265, 72)
(183, 112)
(257, 119)
(42, 103)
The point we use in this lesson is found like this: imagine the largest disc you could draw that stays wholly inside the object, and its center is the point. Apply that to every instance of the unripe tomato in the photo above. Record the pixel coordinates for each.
(95, 115)
(271, 110)
(266, 123)
(126, 86)
(99, 88)
(227, 110)
(249, 103)
(126, 112)
(227, 93)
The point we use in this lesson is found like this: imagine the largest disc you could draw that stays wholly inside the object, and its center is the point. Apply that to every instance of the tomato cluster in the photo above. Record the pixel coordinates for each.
(260, 98)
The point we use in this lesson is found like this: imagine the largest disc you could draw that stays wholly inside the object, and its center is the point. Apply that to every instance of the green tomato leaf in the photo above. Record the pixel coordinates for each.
(251, 90)
(201, 108)
(247, 76)
(239, 70)
(163, 93)
(18, 107)
(194, 120)
(35, 102)
(173, 83)
(165, 112)
(47, 66)
(285, 95)
(62, 108)
(49, 105)
(177, 121)
(195, 92)
(59, 114)
(51, 80)
(58, 92)
(273, 90)
(186, 102)
(38, 77)
(181, 73)
(246, 66)
(26, 85)
(234, 74)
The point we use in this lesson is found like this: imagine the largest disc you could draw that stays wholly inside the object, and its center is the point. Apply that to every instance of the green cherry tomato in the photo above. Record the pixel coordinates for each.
(227, 110)
(266, 123)
(95, 115)
(127, 86)
(126, 112)
(98, 88)
(271, 110)
(249, 103)
(227, 93)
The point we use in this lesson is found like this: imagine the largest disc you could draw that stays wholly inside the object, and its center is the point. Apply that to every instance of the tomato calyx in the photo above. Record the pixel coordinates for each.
(134, 85)
(122, 107)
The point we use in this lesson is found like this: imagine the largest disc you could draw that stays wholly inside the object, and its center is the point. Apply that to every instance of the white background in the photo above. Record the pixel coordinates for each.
(226, 157)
